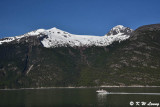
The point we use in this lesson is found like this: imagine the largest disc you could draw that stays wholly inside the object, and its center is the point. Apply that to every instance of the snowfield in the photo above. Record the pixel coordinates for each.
(56, 38)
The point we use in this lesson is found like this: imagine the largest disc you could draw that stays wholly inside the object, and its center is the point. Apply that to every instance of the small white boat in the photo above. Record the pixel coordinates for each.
(101, 91)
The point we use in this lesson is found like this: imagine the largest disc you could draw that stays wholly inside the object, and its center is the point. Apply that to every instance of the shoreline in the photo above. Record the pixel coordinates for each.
(81, 87)
(129, 86)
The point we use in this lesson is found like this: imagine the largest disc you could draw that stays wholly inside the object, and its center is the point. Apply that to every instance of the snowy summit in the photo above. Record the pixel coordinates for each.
(57, 38)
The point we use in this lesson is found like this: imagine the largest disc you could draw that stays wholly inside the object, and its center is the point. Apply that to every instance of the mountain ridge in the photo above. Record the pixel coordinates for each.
(55, 37)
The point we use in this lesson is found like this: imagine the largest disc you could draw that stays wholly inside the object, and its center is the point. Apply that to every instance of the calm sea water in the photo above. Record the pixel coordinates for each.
(71, 97)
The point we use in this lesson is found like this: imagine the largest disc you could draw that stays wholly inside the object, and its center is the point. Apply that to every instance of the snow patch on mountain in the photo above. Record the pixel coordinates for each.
(120, 29)
(36, 32)
(6, 40)
(17, 38)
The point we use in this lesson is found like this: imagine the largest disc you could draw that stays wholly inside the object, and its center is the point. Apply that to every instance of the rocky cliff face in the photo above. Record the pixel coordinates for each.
(28, 63)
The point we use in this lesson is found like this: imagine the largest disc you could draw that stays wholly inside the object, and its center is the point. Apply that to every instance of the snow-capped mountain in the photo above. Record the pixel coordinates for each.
(56, 38)
(119, 29)
(24, 62)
